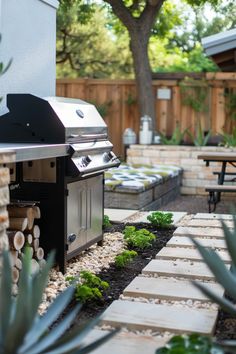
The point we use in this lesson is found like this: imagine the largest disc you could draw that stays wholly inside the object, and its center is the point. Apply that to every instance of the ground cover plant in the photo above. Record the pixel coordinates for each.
(141, 238)
(160, 218)
(88, 286)
(126, 257)
(23, 330)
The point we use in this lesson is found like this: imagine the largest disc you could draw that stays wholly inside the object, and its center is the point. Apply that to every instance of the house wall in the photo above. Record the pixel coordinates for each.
(28, 29)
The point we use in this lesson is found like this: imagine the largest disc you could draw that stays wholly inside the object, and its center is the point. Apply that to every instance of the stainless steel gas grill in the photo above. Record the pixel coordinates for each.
(62, 149)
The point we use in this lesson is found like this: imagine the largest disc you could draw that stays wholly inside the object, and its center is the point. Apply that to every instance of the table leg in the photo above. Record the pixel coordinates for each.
(221, 178)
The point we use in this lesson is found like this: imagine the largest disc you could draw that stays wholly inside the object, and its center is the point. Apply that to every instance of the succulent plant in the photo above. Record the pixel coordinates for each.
(223, 275)
(23, 330)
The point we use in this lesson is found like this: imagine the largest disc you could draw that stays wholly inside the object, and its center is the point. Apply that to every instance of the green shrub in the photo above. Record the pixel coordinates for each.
(125, 258)
(190, 344)
(176, 138)
(88, 287)
(160, 219)
(106, 221)
(138, 238)
(23, 330)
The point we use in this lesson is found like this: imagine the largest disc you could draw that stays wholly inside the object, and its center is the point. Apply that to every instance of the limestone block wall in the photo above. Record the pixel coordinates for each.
(5, 157)
(196, 175)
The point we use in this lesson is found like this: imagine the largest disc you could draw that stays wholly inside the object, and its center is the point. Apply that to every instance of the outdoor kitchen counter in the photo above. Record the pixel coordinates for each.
(27, 152)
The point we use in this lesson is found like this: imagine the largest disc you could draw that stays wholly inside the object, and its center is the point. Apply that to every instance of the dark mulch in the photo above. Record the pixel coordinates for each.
(120, 278)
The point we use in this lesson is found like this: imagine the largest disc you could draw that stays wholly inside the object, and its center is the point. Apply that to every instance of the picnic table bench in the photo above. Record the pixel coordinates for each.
(216, 190)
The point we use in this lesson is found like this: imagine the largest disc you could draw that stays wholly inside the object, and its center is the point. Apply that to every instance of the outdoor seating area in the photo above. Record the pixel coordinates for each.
(141, 187)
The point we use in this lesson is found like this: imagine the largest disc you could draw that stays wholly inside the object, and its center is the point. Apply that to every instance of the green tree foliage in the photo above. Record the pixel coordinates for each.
(85, 46)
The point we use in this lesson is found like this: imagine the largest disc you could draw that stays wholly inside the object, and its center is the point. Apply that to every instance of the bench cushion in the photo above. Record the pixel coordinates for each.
(138, 178)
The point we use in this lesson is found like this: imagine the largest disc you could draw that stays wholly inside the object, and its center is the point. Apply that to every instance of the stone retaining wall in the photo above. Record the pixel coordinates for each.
(5, 157)
(195, 172)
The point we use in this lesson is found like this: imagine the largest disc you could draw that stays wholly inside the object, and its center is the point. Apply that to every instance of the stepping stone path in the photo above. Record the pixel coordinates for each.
(162, 301)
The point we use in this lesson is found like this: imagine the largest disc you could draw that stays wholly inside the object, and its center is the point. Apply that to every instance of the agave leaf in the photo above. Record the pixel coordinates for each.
(230, 238)
(223, 302)
(39, 281)
(54, 334)
(218, 268)
(22, 322)
(5, 296)
(40, 325)
(95, 344)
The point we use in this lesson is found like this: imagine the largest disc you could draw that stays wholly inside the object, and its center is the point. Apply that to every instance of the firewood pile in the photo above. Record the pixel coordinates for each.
(22, 232)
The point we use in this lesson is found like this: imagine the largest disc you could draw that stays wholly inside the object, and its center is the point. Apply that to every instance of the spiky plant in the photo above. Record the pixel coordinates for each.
(225, 276)
(24, 331)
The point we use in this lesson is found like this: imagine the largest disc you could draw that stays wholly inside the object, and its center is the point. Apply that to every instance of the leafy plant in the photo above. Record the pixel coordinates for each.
(106, 221)
(190, 344)
(160, 219)
(88, 287)
(23, 330)
(229, 140)
(138, 238)
(125, 258)
(200, 138)
(176, 138)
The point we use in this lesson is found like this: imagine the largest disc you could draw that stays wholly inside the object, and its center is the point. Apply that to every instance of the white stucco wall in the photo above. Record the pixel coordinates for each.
(28, 29)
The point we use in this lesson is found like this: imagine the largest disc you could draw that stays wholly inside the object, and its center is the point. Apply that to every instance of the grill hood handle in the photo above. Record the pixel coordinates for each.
(89, 136)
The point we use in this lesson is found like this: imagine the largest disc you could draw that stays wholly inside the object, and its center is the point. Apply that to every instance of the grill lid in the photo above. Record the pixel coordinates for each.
(32, 119)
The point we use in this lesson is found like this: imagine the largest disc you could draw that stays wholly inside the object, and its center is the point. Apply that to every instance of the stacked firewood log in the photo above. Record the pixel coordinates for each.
(24, 232)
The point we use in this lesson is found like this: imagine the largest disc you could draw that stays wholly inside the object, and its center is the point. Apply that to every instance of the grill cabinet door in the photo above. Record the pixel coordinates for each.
(84, 212)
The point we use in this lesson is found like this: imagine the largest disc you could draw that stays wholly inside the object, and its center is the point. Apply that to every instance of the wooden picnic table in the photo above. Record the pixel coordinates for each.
(225, 158)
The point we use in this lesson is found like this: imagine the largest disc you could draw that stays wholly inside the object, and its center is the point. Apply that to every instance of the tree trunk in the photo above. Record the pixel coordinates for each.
(143, 76)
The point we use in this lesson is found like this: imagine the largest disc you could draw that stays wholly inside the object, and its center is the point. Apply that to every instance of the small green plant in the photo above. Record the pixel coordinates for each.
(88, 287)
(23, 330)
(160, 219)
(229, 140)
(106, 221)
(200, 138)
(176, 138)
(125, 258)
(138, 238)
(190, 344)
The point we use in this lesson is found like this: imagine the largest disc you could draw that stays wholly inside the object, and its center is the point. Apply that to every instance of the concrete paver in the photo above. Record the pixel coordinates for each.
(182, 241)
(199, 232)
(179, 268)
(118, 215)
(126, 343)
(136, 315)
(209, 223)
(167, 289)
(188, 253)
(213, 216)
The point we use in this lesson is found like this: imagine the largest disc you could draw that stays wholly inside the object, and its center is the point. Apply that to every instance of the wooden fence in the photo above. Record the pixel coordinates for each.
(207, 98)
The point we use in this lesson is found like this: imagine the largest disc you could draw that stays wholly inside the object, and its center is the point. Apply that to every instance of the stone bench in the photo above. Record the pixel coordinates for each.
(141, 187)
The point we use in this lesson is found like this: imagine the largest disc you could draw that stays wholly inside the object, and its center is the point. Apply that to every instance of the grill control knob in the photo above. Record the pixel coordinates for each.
(71, 238)
(108, 156)
(86, 160)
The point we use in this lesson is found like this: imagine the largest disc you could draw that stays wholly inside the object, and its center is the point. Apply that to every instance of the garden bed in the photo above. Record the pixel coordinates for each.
(119, 279)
